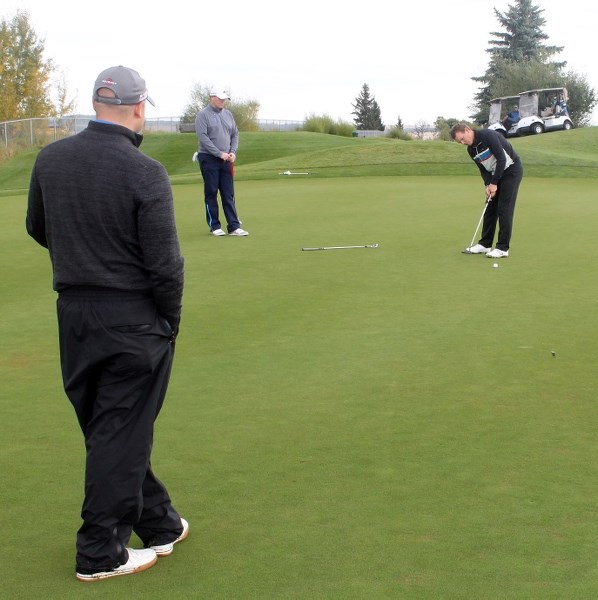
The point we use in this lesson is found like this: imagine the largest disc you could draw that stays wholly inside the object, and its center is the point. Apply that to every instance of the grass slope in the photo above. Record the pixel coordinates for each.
(263, 155)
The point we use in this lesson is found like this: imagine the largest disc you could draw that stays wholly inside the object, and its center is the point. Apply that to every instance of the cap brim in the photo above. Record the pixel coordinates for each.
(118, 101)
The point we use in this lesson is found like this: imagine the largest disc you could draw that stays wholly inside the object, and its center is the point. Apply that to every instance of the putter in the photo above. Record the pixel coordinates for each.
(341, 247)
(296, 173)
(475, 234)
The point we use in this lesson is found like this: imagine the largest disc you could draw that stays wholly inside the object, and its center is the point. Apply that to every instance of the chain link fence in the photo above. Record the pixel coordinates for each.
(36, 133)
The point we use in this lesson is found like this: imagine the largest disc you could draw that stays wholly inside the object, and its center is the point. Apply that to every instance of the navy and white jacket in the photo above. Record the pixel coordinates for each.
(493, 155)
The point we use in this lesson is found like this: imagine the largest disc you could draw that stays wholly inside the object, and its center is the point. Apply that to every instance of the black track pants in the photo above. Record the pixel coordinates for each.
(116, 356)
(501, 210)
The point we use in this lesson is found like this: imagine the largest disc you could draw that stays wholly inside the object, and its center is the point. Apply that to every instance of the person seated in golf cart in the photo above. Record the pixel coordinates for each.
(549, 111)
(557, 108)
(511, 118)
(561, 107)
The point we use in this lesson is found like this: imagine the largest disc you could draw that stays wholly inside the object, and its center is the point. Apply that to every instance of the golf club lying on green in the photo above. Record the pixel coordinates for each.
(341, 247)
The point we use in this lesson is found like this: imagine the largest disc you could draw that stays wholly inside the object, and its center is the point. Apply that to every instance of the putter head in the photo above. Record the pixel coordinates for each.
(466, 251)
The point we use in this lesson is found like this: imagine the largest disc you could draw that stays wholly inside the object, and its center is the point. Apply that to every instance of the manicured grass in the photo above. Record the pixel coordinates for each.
(380, 423)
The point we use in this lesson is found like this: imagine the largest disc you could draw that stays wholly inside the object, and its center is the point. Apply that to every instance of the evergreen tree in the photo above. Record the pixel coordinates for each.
(521, 42)
(367, 111)
(24, 74)
(523, 39)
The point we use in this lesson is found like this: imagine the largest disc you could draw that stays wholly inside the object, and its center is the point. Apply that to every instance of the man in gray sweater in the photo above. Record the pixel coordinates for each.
(218, 139)
(105, 212)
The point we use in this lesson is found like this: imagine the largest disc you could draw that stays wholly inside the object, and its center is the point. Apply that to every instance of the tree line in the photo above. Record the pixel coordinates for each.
(519, 59)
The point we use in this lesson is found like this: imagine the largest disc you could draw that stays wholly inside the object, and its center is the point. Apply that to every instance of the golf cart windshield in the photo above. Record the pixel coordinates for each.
(499, 107)
(495, 108)
(528, 104)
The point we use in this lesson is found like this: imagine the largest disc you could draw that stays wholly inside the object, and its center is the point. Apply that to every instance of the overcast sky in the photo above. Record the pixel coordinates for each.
(298, 58)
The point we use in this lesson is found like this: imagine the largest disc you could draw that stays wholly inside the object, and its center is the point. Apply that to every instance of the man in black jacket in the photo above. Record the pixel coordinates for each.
(105, 212)
(502, 172)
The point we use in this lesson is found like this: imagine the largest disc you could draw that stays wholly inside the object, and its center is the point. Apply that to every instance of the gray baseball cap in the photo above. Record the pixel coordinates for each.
(127, 85)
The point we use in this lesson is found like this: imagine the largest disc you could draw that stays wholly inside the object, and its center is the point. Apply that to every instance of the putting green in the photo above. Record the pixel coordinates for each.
(380, 423)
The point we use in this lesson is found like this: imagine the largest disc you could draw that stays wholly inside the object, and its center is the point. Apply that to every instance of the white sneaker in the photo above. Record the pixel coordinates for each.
(218, 232)
(139, 560)
(239, 232)
(167, 549)
(477, 249)
(496, 253)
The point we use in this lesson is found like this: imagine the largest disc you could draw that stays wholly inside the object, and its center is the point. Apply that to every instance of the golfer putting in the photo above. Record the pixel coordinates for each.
(501, 171)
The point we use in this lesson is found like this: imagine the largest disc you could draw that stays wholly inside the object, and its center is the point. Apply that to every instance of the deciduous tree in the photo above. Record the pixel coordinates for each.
(24, 73)
(245, 112)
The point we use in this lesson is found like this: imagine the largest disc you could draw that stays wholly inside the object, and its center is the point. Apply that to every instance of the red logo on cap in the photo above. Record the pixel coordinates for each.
(109, 81)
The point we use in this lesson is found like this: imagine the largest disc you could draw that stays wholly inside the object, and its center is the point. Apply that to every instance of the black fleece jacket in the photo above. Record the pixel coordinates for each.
(105, 212)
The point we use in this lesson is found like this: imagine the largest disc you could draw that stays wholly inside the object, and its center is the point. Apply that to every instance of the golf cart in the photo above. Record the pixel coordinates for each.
(543, 110)
(498, 117)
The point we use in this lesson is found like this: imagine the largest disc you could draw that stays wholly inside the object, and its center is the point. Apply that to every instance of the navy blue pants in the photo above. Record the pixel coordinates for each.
(501, 209)
(116, 355)
(218, 177)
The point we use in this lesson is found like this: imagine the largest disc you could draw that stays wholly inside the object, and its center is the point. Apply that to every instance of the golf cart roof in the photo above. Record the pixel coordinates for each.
(563, 90)
(501, 98)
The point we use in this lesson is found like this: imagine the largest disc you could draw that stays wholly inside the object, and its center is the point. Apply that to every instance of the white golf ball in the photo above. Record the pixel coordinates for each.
(495, 266)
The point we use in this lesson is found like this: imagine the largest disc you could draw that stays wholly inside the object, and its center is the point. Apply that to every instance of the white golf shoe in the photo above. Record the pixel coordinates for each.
(167, 549)
(218, 232)
(496, 253)
(477, 249)
(139, 560)
(239, 232)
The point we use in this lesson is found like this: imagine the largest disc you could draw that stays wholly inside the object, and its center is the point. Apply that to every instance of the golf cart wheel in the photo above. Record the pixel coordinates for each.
(537, 128)
(567, 125)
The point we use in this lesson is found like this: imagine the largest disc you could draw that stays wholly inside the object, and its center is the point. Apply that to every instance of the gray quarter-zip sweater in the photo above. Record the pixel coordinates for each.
(216, 131)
